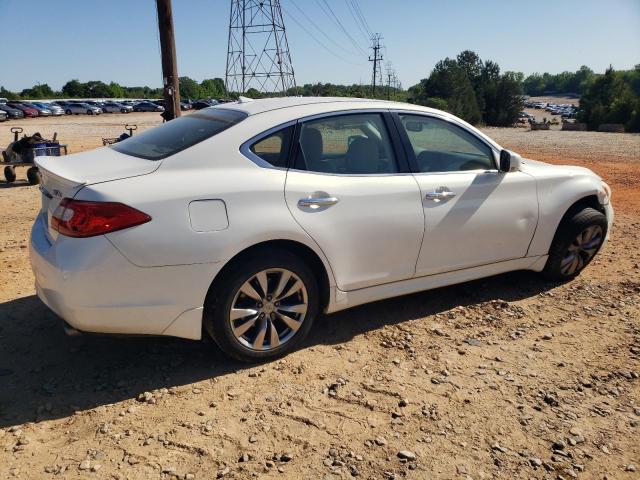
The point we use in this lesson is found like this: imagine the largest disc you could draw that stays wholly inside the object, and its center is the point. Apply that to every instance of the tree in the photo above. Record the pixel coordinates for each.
(4, 93)
(73, 89)
(612, 98)
(189, 88)
(38, 91)
(213, 88)
(449, 82)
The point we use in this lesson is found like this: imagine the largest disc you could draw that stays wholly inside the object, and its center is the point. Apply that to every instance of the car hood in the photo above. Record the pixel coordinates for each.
(538, 168)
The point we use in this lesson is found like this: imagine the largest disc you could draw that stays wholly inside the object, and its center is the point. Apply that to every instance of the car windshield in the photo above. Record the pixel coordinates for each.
(174, 136)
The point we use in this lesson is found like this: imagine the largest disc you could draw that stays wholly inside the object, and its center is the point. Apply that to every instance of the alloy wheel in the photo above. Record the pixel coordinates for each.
(581, 250)
(268, 309)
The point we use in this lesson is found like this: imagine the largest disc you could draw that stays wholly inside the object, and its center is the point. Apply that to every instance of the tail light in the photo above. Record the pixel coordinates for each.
(79, 218)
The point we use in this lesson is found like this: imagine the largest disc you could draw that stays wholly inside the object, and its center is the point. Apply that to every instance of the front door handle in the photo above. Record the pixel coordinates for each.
(440, 195)
(317, 202)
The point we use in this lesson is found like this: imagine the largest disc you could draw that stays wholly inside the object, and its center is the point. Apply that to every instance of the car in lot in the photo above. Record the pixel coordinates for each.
(27, 111)
(147, 107)
(11, 112)
(42, 111)
(246, 220)
(115, 107)
(3, 116)
(55, 110)
(78, 107)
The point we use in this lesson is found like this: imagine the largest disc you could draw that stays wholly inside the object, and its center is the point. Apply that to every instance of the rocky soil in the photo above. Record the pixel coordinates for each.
(509, 377)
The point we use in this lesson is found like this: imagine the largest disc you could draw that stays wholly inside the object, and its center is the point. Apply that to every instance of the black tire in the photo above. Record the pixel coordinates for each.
(123, 110)
(67, 112)
(567, 235)
(221, 296)
(10, 174)
(33, 175)
(89, 112)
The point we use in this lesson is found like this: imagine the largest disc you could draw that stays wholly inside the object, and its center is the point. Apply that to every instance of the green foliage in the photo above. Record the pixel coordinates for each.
(565, 82)
(472, 90)
(73, 89)
(37, 91)
(612, 98)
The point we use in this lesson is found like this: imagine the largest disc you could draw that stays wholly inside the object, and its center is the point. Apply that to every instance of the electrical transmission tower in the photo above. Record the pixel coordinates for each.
(258, 52)
(377, 62)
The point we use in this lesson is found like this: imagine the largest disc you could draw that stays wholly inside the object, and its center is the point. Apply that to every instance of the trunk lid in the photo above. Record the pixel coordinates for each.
(64, 176)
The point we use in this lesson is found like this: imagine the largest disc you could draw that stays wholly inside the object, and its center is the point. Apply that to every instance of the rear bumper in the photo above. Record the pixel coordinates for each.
(94, 288)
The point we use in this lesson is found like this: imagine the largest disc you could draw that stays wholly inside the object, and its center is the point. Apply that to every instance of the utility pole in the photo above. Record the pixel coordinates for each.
(390, 75)
(377, 65)
(170, 83)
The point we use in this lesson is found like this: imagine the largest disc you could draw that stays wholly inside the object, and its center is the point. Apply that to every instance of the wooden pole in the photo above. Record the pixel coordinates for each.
(169, 64)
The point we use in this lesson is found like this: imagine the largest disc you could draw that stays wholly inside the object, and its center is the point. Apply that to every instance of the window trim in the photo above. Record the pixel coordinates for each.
(410, 153)
(245, 148)
(396, 144)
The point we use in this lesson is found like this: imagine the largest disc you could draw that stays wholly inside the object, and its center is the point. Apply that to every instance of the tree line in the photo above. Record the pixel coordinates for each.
(468, 87)
(189, 89)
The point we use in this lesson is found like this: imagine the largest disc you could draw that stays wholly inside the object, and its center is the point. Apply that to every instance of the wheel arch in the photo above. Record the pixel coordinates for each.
(305, 252)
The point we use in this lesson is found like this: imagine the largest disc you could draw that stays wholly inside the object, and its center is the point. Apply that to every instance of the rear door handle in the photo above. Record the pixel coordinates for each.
(311, 202)
(440, 195)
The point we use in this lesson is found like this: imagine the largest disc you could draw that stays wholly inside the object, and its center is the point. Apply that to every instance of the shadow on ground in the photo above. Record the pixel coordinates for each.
(44, 374)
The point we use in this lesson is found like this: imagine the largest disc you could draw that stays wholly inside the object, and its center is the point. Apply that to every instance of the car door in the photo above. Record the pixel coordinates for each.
(350, 189)
(474, 214)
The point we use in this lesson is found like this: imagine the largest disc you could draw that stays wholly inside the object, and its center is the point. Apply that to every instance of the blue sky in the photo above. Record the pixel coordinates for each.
(51, 42)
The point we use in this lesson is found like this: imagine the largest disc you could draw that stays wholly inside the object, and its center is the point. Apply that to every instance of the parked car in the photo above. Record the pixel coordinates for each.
(200, 104)
(185, 106)
(3, 100)
(147, 107)
(311, 205)
(3, 116)
(28, 111)
(94, 103)
(42, 112)
(11, 112)
(55, 110)
(61, 103)
(115, 107)
(78, 108)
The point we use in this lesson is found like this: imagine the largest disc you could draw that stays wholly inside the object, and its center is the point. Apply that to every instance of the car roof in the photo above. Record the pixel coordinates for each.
(253, 107)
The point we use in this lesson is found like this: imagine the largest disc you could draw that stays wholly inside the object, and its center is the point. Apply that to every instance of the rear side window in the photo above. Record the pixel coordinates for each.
(179, 134)
(274, 148)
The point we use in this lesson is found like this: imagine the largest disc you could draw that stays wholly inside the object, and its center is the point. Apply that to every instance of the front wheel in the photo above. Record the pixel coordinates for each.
(264, 306)
(577, 241)
(33, 176)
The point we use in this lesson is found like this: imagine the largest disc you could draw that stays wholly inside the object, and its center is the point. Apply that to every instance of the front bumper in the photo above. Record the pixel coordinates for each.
(94, 288)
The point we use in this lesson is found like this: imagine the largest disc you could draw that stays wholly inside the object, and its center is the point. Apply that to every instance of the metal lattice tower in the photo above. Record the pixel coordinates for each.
(258, 52)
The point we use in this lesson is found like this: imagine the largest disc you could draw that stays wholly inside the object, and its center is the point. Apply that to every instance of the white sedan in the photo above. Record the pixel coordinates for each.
(246, 220)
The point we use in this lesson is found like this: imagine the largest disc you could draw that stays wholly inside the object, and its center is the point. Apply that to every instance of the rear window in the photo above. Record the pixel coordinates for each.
(174, 136)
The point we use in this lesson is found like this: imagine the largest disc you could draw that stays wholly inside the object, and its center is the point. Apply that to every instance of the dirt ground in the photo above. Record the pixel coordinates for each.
(509, 377)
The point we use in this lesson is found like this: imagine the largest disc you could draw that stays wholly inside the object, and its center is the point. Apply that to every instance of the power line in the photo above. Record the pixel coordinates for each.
(314, 24)
(337, 21)
(362, 17)
(313, 37)
(355, 17)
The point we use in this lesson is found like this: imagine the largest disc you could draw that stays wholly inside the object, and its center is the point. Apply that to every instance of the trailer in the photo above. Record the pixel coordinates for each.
(11, 160)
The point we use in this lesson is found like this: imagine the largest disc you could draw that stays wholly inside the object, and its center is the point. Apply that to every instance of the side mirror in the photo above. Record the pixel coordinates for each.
(509, 161)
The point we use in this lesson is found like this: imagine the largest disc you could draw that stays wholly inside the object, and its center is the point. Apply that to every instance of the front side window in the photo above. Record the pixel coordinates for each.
(274, 148)
(440, 146)
(346, 144)
(174, 136)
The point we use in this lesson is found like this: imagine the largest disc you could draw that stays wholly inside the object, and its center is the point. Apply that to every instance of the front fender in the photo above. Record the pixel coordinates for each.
(556, 195)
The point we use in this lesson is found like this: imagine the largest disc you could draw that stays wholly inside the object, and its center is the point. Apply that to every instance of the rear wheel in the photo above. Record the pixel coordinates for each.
(577, 241)
(33, 175)
(10, 174)
(67, 112)
(89, 112)
(263, 307)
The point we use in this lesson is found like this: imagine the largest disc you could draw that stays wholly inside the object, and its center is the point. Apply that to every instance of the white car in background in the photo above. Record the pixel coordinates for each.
(248, 219)
(79, 107)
